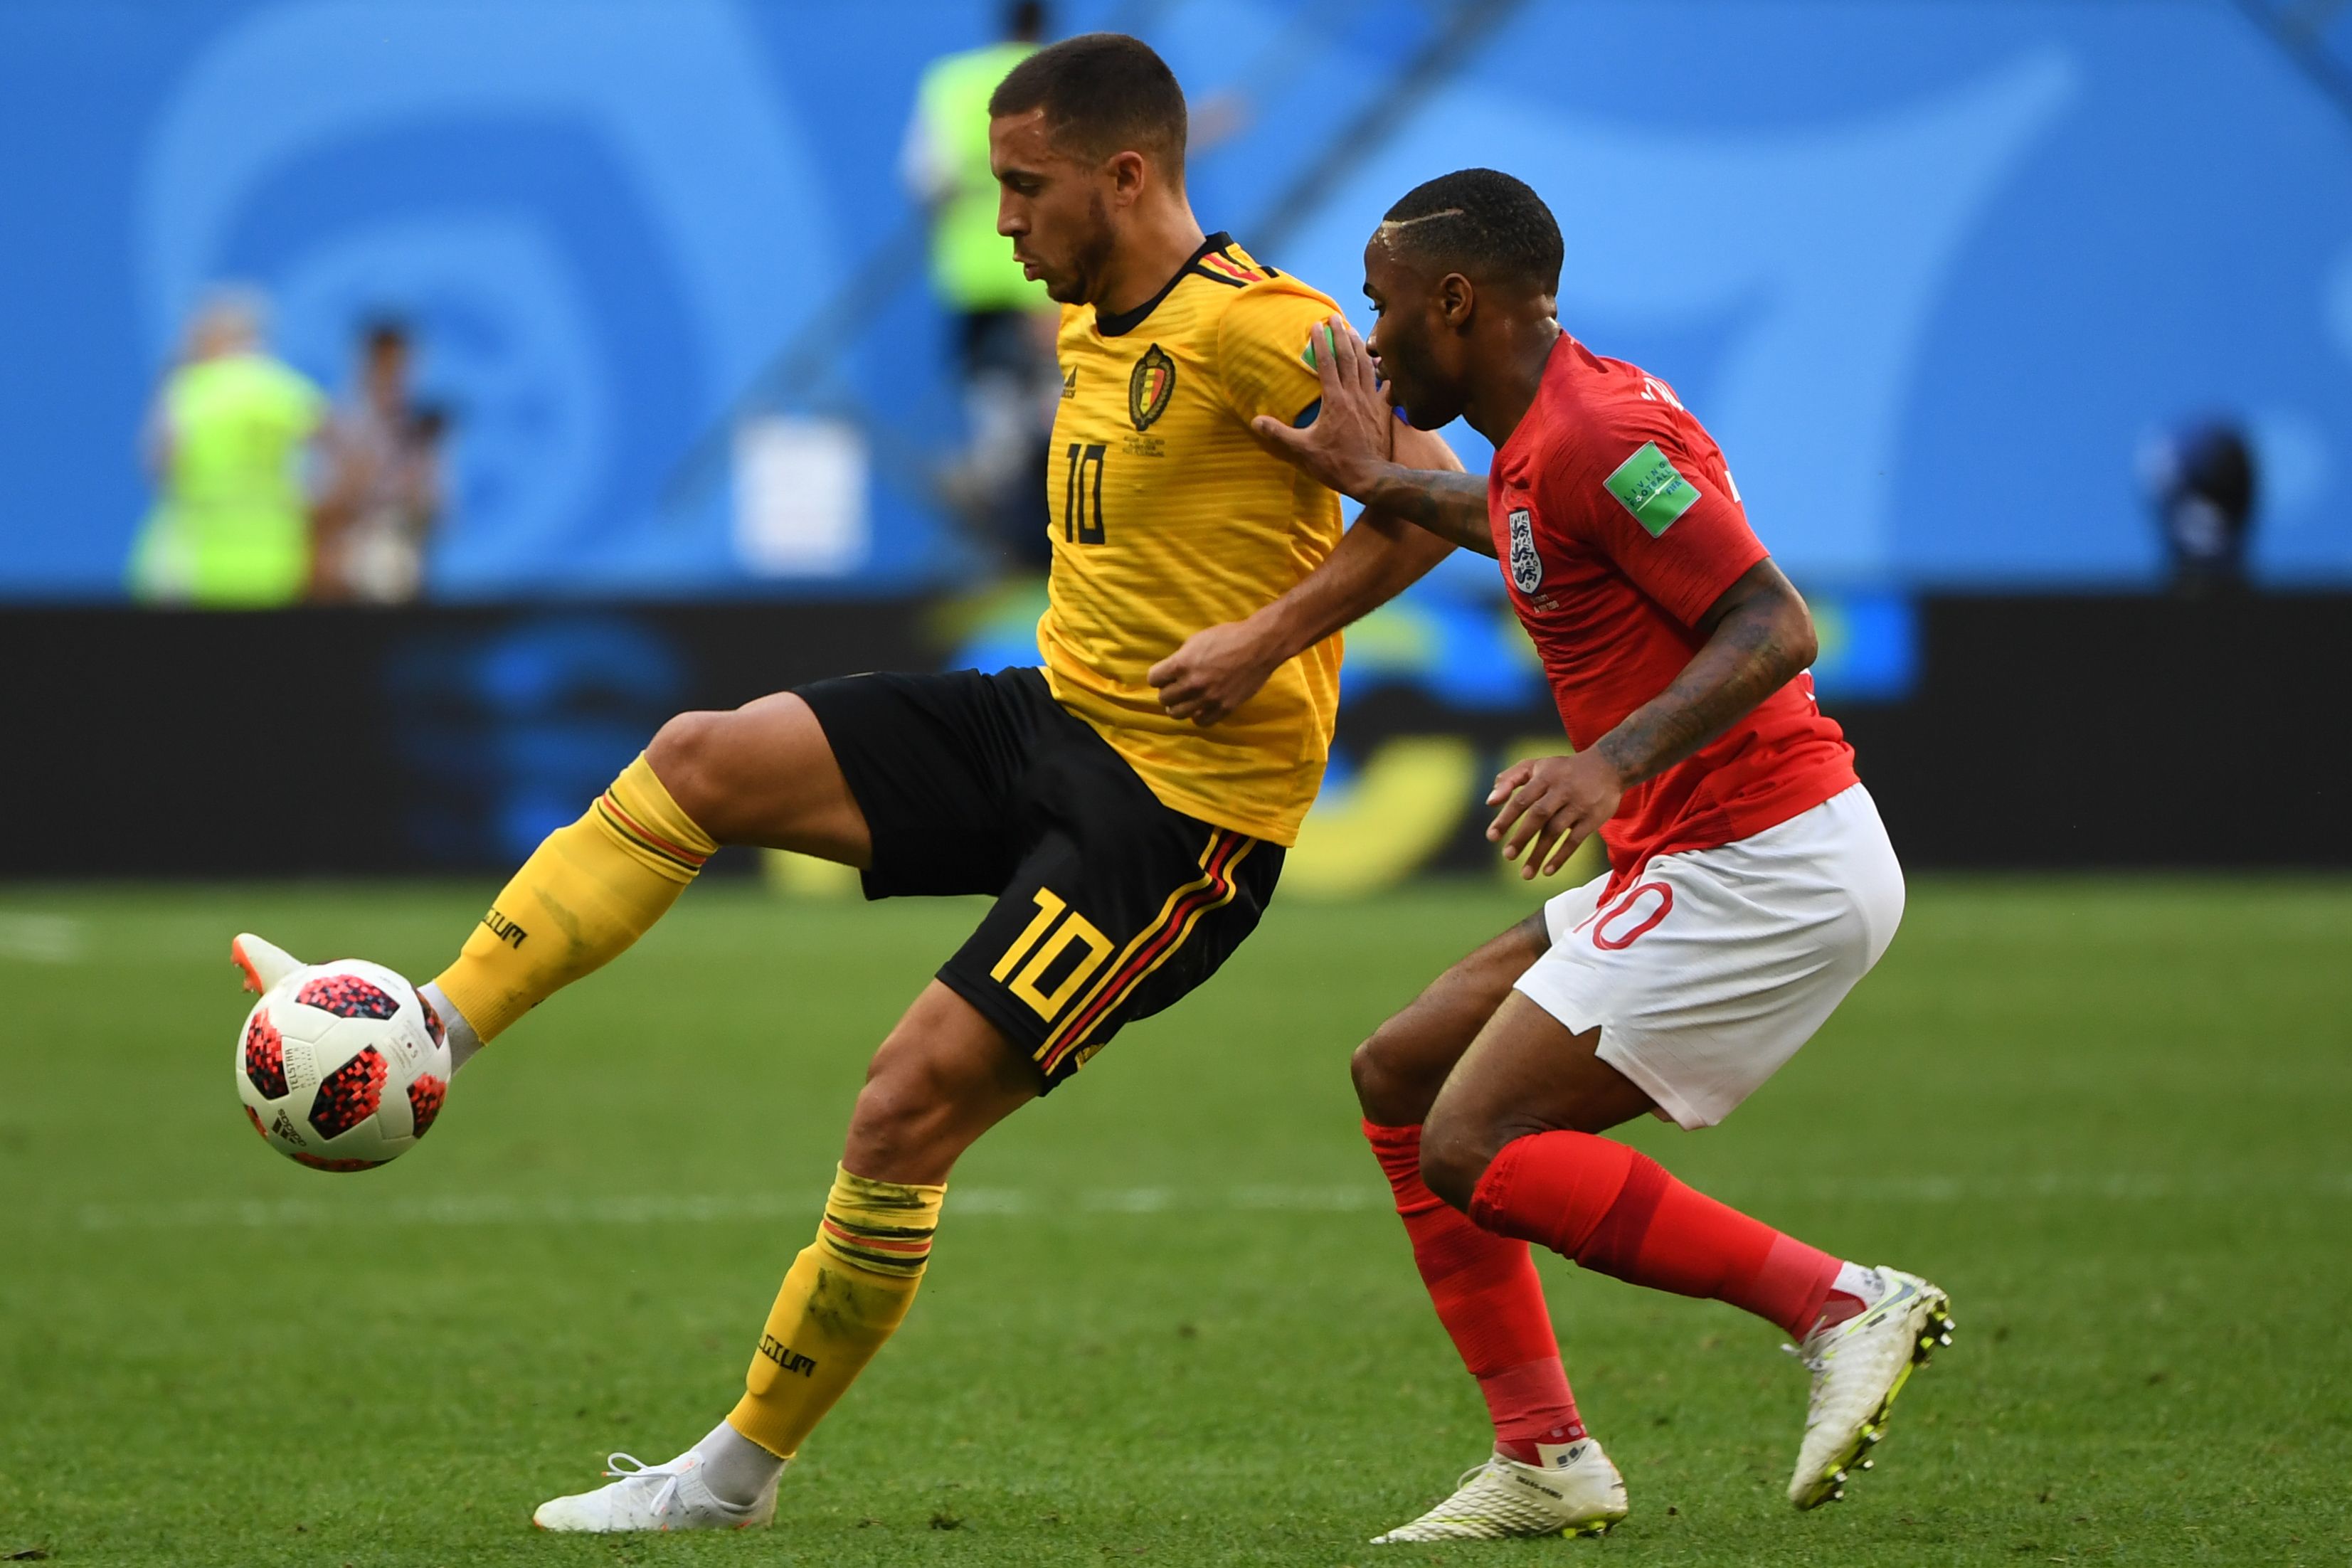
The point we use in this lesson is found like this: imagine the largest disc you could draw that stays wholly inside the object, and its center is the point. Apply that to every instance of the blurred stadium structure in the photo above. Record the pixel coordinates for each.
(1935, 274)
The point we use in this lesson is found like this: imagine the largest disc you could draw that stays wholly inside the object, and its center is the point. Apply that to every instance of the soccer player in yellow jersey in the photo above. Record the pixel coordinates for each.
(1126, 806)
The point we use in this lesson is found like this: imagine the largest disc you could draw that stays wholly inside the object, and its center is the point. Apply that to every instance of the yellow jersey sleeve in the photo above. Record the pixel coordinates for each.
(1262, 349)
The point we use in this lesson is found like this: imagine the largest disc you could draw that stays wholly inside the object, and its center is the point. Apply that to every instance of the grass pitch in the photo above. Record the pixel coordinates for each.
(1169, 1319)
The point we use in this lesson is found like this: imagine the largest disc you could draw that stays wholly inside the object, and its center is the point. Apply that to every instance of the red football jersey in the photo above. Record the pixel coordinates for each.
(1618, 526)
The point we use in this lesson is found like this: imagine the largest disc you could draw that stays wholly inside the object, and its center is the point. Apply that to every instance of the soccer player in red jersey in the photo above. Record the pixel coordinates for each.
(1751, 883)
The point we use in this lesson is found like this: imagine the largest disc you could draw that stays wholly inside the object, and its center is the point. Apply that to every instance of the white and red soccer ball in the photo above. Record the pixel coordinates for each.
(342, 1065)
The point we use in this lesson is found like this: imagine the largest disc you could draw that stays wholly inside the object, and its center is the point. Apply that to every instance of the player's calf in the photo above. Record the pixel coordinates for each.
(762, 774)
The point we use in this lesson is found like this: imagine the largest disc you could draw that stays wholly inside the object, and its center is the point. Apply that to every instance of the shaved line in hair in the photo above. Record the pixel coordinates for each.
(1390, 224)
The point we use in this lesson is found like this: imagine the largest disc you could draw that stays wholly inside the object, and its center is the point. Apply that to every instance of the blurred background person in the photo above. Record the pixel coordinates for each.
(226, 443)
(381, 491)
(2202, 482)
(1003, 324)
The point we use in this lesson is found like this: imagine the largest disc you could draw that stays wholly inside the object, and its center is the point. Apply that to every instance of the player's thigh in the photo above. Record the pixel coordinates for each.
(1399, 1070)
(1119, 906)
(763, 773)
(944, 1076)
(1085, 940)
(1526, 1072)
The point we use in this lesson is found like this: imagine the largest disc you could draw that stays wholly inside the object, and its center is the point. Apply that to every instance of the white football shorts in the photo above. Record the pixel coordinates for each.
(1711, 968)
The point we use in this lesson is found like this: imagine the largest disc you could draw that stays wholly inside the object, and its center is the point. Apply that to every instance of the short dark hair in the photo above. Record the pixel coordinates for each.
(1480, 223)
(380, 333)
(1104, 92)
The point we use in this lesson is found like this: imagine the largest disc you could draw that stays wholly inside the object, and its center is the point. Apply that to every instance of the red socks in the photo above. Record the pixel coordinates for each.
(1614, 1211)
(1617, 1212)
(1488, 1296)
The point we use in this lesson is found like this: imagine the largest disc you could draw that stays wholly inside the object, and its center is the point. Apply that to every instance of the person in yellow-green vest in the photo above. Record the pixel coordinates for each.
(1003, 324)
(226, 443)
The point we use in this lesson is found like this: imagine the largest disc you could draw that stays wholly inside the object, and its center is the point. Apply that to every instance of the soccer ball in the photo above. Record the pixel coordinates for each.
(342, 1065)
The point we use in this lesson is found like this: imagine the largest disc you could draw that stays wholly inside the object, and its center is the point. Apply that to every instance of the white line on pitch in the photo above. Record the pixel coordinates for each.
(485, 1209)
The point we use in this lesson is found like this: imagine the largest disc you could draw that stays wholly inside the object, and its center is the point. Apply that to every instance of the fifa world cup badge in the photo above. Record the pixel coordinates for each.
(1527, 566)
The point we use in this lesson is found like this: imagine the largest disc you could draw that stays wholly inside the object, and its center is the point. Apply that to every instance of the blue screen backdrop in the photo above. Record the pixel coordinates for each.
(1935, 274)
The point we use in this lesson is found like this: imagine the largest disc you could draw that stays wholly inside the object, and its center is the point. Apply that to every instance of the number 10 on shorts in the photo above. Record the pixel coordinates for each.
(1042, 945)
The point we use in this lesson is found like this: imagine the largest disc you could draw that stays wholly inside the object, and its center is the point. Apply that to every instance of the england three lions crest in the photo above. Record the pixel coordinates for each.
(1527, 566)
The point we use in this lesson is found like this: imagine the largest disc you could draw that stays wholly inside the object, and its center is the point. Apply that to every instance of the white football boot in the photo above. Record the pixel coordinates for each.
(264, 963)
(1578, 1493)
(1858, 1367)
(654, 1496)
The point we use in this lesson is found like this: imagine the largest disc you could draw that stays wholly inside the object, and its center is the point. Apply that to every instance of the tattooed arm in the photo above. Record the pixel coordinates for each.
(1433, 494)
(1759, 636)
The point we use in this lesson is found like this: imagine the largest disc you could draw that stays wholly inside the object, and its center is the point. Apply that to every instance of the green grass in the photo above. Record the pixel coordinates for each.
(1173, 1322)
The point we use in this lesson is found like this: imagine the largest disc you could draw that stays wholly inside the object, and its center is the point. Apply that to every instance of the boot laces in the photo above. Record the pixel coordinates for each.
(671, 1474)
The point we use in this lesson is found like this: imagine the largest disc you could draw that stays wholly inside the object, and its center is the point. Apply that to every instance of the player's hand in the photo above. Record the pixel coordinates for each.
(1552, 804)
(1348, 446)
(1215, 672)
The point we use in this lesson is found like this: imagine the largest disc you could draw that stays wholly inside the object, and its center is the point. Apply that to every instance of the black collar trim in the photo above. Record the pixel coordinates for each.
(1126, 321)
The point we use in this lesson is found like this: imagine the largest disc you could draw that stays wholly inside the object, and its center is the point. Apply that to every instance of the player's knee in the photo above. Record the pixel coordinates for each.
(1452, 1158)
(901, 1116)
(688, 754)
(928, 1094)
(1388, 1092)
(1457, 1145)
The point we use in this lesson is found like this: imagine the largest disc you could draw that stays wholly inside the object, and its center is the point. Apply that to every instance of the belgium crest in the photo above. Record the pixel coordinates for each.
(1150, 387)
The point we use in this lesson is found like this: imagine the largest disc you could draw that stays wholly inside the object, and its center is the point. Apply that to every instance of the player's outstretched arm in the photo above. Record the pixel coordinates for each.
(1359, 447)
(1759, 636)
(1220, 668)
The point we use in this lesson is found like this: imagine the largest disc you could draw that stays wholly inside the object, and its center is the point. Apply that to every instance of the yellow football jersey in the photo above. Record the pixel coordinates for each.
(1168, 516)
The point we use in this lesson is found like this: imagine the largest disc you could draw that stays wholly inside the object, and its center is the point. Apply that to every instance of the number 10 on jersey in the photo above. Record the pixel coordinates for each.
(1082, 519)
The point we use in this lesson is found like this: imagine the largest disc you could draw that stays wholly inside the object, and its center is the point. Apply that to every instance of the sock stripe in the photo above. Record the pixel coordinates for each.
(867, 1232)
(881, 1227)
(644, 838)
(890, 1238)
(902, 1257)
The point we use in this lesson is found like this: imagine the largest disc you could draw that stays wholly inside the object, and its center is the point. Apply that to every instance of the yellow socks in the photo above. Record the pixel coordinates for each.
(844, 1295)
(585, 894)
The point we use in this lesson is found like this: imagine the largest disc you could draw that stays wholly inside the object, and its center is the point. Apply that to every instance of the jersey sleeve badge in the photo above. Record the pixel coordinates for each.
(1527, 564)
(1648, 485)
(1150, 387)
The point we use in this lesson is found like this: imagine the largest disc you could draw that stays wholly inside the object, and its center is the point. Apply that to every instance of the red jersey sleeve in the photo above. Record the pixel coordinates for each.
(1658, 503)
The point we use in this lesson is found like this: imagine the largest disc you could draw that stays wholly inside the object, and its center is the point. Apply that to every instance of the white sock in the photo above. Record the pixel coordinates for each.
(1862, 1284)
(463, 1041)
(735, 1468)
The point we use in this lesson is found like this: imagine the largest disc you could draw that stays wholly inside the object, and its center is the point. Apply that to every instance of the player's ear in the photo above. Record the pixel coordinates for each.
(1455, 299)
(1129, 172)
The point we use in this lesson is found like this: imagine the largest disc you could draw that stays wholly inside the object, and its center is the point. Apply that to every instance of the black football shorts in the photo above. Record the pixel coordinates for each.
(1109, 905)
